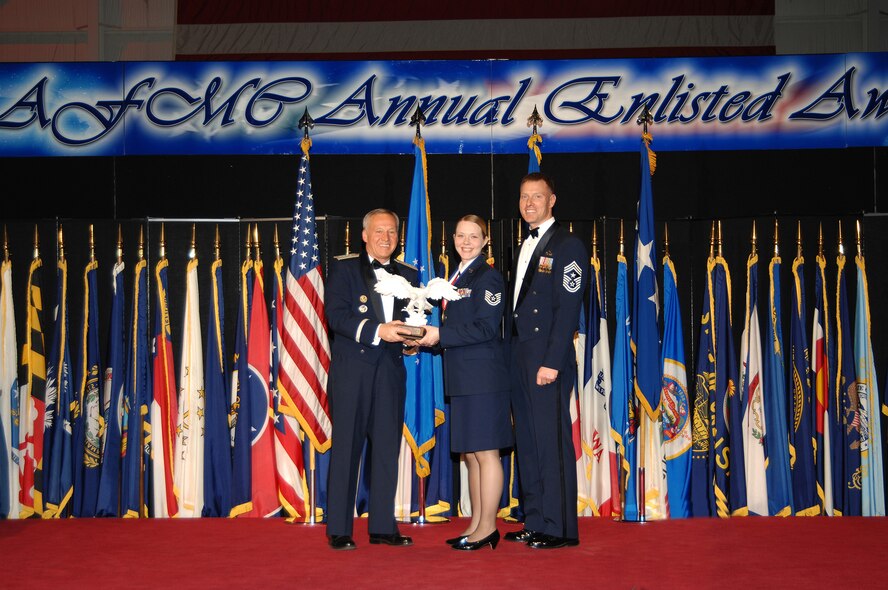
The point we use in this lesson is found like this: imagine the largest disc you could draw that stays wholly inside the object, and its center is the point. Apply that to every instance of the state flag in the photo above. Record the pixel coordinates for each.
(32, 395)
(135, 444)
(113, 402)
(164, 403)
(778, 473)
(10, 461)
(188, 464)
(675, 410)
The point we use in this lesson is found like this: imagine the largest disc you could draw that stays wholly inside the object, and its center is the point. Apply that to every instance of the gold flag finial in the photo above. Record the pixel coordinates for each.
(621, 238)
(162, 242)
(570, 227)
(443, 239)
(820, 240)
(520, 239)
(443, 258)
(216, 244)
(92, 244)
(192, 251)
(712, 240)
(119, 244)
(754, 239)
(141, 242)
(256, 240)
(36, 243)
(799, 240)
(859, 245)
(719, 238)
(61, 243)
(347, 240)
(776, 243)
(666, 238)
(594, 240)
(277, 246)
(248, 244)
(841, 245)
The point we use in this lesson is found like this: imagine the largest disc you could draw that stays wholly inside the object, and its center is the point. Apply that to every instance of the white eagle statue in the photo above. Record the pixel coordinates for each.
(418, 306)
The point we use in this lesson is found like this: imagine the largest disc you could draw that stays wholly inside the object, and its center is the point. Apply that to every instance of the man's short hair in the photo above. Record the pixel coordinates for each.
(535, 176)
(380, 212)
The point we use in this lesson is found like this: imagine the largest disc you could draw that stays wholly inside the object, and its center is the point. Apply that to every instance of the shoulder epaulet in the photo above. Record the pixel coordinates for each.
(347, 256)
(405, 264)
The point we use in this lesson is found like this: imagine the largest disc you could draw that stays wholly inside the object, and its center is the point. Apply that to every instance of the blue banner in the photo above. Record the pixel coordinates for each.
(149, 108)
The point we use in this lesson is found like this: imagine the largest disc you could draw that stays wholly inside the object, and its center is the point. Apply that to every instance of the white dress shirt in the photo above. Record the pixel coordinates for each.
(525, 255)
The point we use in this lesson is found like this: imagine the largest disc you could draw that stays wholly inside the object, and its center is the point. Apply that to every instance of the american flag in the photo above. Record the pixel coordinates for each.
(305, 348)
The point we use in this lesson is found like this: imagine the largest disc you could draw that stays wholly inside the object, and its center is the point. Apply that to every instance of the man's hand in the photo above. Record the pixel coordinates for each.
(431, 338)
(545, 376)
(389, 331)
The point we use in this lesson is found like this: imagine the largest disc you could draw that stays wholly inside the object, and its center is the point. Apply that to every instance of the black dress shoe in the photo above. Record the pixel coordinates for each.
(456, 540)
(393, 539)
(552, 542)
(492, 539)
(522, 536)
(342, 542)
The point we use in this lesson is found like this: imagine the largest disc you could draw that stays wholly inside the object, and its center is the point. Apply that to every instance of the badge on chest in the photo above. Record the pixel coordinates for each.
(545, 264)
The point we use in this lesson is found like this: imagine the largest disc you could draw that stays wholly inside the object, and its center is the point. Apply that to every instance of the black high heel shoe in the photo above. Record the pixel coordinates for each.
(457, 540)
(492, 539)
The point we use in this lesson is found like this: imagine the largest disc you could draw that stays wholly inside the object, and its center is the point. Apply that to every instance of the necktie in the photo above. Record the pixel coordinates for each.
(534, 233)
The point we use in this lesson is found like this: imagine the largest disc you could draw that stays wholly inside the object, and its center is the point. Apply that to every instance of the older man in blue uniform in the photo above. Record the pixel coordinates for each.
(547, 283)
(367, 382)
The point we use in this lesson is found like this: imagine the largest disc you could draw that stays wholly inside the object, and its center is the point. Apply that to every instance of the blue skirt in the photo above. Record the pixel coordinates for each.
(480, 422)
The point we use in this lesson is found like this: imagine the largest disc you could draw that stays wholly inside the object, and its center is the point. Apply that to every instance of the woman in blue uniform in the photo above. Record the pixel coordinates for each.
(476, 379)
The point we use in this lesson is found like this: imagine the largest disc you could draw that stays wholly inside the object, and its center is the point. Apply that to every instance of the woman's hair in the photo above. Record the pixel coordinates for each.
(477, 221)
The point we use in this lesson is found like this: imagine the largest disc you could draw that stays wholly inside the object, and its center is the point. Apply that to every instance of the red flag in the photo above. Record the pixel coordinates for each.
(264, 485)
(164, 405)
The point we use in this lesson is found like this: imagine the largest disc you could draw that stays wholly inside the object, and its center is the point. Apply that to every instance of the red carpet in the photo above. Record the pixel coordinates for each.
(249, 553)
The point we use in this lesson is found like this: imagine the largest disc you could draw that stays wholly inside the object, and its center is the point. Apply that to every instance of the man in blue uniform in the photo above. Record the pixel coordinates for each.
(367, 383)
(546, 291)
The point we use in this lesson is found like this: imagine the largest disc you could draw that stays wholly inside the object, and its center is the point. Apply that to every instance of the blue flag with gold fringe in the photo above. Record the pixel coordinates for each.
(623, 409)
(108, 501)
(674, 404)
(217, 442)
(702, 449)
(58, 436)
(777, 473)
(424, 408)
(241, 478)
(88, 419)
(801, 432)
(535, 156)
(847, 467)
(730, 480)
(135, 479)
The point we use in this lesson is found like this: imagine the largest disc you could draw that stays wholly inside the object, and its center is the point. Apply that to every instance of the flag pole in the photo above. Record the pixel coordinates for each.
(306, 123)
(624, 475)
(644, 120)
(142, 414)
(417, 120)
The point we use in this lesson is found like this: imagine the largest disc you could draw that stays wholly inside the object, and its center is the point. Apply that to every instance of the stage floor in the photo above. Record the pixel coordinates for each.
(806, 553)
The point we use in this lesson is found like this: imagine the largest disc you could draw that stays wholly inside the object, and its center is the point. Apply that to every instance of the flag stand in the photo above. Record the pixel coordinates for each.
(423, 518)
(312, 491)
